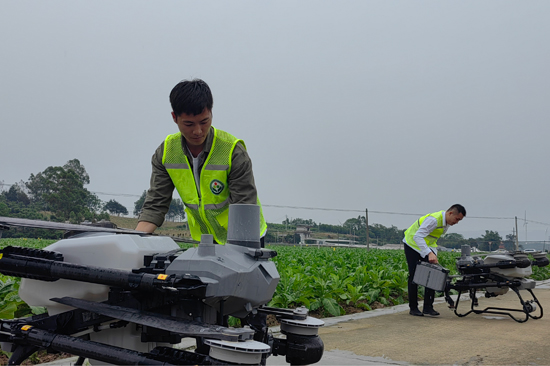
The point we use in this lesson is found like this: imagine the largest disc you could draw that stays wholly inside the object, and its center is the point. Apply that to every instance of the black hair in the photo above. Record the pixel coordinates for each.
(458, 208)
(191, 97)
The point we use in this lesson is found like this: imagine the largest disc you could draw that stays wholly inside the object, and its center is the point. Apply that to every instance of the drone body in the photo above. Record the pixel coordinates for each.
(127, 298)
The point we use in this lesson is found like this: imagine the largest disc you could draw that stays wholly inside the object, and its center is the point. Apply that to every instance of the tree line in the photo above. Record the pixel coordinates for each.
(175, 213)
(355, 229)
(56, 194)
(59, 194)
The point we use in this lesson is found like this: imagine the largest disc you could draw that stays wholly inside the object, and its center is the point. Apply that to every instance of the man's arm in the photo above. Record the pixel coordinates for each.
(242, 188)
(146, 227)
(159, 195)
(428, 225)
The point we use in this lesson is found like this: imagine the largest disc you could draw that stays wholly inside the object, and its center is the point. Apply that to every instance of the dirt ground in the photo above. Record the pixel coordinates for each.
(38, 358)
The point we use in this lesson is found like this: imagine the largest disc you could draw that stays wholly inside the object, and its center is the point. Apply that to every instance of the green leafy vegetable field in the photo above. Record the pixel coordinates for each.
(329, 279)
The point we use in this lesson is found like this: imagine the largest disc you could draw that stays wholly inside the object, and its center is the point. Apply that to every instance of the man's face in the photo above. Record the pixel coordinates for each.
(453, 217)
(194, 128)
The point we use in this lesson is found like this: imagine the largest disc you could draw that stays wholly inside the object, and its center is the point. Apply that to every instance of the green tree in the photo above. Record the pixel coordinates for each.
(4, 209)
(510, 242)
(355, 224)
(61, 191)
(138, 205)
(20, 210)
(385, 235)
(490, 241)
(474, 243)
(299, 221)
(115, 208)
(176, 212)
(79, 170)
(17, 194)
(452, 240)
(73, 219)
(58, 190)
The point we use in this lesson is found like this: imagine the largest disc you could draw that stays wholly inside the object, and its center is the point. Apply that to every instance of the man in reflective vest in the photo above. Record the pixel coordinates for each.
(210, 168)
(421, 245)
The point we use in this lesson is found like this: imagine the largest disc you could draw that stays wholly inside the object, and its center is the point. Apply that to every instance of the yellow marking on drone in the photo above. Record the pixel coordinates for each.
(26, 327)
(162, 277)
(1, 255)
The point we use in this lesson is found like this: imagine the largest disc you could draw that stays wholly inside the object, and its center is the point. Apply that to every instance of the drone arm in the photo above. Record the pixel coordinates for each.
(19, 265)
(32, 338)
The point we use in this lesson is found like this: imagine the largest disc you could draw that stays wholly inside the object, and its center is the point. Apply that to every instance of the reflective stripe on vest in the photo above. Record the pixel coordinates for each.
(208, 212)
(431, 239)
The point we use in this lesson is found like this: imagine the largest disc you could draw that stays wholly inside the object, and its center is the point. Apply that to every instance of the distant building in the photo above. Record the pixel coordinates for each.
(304, 232)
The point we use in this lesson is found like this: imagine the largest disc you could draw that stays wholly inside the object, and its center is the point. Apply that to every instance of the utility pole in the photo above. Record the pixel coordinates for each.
(545, 236)
(525, 224)
(517, 243)
(367, 226)
(286, 222)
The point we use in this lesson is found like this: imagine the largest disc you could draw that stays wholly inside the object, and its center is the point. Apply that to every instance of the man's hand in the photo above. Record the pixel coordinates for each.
(432, 258)
(146, 227)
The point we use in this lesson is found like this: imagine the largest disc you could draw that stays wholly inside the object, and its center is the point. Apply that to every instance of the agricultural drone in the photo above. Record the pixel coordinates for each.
(495, 274)
(125, 297)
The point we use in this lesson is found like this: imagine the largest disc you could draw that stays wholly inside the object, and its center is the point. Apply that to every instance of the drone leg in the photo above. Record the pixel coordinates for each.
(258, 322)
(21, 353)
(473, 298)
(448, 299)
(538, 303)
(456, 305)
(222, 318)
(527, 306)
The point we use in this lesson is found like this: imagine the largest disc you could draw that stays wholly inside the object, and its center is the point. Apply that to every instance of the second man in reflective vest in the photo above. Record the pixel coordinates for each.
(421, 245)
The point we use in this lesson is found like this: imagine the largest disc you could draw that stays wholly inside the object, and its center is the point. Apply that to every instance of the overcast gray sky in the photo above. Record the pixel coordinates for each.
(394, 106)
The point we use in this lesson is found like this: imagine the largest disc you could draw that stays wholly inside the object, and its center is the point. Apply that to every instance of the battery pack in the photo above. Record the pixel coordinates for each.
(431, 276)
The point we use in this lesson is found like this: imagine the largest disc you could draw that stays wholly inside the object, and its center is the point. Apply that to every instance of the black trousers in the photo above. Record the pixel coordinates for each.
(413, 257)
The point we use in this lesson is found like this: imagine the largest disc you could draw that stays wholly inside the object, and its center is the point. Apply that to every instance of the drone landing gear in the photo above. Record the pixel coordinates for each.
(528, 307)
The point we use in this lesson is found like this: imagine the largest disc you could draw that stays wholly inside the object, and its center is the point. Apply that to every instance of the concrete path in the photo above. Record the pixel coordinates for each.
(391, 336)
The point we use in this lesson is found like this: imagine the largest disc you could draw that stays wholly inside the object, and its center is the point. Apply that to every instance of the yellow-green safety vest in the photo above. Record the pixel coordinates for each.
(431, 240)
(208, 212)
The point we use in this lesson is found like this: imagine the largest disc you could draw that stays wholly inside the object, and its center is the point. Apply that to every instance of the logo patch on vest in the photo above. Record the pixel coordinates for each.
(216, 186)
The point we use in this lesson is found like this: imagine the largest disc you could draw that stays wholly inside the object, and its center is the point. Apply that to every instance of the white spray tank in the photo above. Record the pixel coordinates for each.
(119, 251)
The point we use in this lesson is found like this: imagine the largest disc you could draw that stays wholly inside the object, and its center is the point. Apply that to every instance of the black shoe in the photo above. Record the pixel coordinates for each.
(415, 312)
(431, 312)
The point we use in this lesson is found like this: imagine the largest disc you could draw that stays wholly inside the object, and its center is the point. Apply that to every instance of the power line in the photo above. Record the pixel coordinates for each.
(102, 193)
(337, 209)
(341, 210)
(535, 222)
(313, 208)
(397, 213)
(490, 218)
(117, 194)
